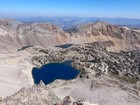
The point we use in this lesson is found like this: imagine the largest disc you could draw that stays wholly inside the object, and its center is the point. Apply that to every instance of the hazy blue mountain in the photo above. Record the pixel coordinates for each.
(69, 22)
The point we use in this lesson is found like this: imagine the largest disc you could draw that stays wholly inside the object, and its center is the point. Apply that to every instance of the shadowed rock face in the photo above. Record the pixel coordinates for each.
(15, 34)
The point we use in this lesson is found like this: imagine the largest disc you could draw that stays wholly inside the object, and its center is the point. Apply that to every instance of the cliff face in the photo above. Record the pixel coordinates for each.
(15, 34)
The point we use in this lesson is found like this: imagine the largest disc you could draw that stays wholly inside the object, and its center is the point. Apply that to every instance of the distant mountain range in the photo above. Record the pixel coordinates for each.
(69, 22)
(16, 34)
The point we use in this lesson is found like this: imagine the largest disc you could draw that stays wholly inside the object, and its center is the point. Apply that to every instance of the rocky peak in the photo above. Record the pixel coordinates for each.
(34, 95)
(99, 24)
(99, 28)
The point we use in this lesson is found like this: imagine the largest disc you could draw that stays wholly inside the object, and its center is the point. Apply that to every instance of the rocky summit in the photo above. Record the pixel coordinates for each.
(107, 56)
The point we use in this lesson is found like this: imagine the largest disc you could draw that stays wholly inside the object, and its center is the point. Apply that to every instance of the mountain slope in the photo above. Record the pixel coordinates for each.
(123, 38)
(17, 34)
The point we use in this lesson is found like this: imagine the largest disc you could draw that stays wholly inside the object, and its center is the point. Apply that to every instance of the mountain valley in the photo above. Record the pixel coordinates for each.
(106, 55)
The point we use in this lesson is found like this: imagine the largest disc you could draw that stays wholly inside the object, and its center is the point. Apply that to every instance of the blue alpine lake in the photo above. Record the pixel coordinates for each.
(64, 46)
(52, 71)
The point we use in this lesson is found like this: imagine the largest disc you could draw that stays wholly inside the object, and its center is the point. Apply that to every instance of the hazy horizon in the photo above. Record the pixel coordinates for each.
(70, 8)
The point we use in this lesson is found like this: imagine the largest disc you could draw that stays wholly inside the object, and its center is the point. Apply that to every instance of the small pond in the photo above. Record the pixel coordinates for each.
(64, 46)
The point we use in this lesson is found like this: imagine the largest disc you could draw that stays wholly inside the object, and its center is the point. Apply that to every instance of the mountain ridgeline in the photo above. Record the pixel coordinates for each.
(15, 34)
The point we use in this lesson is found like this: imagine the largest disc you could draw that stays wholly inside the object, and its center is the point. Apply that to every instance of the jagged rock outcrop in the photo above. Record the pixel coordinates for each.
(38, 95)
(70, 101)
